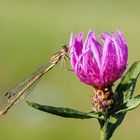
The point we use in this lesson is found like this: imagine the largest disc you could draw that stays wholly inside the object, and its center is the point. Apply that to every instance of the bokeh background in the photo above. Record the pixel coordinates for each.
(30, 32)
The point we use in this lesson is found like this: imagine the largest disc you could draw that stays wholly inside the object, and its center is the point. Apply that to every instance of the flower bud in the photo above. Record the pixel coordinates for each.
(95, 63)
(100, 60)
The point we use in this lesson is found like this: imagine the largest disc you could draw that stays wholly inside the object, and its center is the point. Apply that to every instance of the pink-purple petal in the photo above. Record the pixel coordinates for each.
(98, 64)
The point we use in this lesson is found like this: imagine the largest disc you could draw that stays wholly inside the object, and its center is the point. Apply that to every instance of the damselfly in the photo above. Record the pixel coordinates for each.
(19, 91)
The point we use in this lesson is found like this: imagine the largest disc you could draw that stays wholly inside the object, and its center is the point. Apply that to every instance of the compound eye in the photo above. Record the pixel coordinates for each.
(65, 48)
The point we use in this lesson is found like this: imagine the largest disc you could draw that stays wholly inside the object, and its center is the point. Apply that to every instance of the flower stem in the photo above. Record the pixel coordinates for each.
(104, 132)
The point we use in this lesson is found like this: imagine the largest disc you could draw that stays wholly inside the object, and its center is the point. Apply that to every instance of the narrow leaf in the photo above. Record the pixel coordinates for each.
(111, 127)
(130, 105)
(125, 89)
(64, 112)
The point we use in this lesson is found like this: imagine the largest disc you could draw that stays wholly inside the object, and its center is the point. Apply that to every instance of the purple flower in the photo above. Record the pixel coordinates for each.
(98, 63)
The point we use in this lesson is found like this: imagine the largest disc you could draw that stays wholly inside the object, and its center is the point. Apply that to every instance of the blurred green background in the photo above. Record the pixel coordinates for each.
(30, 32)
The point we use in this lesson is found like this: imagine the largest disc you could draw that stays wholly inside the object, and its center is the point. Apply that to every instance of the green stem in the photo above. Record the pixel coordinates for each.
(104, 132)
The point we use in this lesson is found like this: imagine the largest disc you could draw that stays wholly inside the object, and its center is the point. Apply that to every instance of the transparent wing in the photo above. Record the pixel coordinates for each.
(26, 85)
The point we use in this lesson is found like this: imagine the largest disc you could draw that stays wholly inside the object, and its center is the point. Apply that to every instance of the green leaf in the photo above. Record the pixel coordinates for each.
(108, 128)
(65, 112)
(130, 105)
(125, 89)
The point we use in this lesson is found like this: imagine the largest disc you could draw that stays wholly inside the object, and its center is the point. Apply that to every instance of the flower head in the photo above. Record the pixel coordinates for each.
(98, 63)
